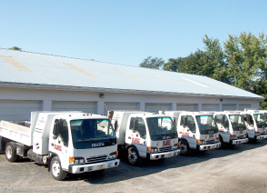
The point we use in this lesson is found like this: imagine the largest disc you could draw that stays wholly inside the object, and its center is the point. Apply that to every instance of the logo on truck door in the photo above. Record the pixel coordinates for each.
(58, 147)
(136, 140)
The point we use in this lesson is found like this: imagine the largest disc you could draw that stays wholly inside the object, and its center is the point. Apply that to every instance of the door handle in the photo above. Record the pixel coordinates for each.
(129, 138)
(52, 144)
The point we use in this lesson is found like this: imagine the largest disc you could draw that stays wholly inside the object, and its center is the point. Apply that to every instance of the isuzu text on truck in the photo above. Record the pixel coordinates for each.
(143, 135)
(232, 127)
(256, 124)
(67, 142)
(196, 130)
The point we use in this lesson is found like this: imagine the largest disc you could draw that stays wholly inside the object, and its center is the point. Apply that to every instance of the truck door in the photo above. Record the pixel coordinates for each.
(136, 135)
(223, 126)
(189, 129)
(59, 141)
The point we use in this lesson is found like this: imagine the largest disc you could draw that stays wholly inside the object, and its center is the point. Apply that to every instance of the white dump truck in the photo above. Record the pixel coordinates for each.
(196, 130)
(255, 123)
(232, 127)
(67, 142)
(142, 135)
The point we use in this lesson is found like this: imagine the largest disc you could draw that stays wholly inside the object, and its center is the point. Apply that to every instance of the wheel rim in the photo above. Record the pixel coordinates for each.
(183, 148)
(133, 157)
(56, 168)
(8, 152)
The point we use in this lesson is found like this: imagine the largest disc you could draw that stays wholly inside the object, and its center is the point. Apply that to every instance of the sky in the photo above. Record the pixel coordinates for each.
(125, 31)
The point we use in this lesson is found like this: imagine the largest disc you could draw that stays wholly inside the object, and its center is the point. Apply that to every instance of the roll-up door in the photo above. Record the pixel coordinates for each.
(110, 106)
(210, 107)
(87, 107)
(16, 110)
(156, 107)
(187, 107)
(244, 106)
(228, 107)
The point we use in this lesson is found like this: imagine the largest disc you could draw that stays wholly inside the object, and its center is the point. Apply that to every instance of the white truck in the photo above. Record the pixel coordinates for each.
(232, 127)
(196, 130)
(143, 135)
(255, 123)
(66, 142)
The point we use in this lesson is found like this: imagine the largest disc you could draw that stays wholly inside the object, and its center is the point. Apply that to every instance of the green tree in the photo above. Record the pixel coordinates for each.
(149, 62)
(216, 66)
(173, 64)
(15, 48)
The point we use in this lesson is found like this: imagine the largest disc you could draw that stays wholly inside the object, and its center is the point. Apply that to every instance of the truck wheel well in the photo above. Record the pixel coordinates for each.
(4, 141)
(50, 158)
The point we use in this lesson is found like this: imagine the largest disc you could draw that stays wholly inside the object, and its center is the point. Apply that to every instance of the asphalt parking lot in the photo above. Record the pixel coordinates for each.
(239, 169)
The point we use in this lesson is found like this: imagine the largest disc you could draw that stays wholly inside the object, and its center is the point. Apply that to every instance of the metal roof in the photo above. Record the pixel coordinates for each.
(32, 69)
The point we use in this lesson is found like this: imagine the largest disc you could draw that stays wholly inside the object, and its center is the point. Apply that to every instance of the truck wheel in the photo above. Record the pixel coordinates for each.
(184, 148)
(56, 169)
(10, 151)
(133, 156)
(221, 141)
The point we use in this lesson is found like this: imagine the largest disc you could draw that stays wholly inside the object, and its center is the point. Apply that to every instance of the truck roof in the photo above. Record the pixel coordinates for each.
(71, 115)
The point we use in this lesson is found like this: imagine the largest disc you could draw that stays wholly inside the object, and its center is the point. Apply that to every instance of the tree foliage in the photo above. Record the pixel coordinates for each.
(241, 62)
(149, 62)
(15, 48)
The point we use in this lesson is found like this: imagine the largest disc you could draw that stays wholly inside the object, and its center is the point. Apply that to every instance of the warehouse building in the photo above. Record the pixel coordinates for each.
(39, 82)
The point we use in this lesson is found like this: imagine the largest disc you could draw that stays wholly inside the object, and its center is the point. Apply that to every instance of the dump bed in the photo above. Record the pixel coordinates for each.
(16, 132)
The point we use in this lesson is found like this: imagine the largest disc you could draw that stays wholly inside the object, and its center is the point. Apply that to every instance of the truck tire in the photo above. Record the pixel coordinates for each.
(222, 142)
(10, 151)
(56, 169)
(133, 156)
(184, 148)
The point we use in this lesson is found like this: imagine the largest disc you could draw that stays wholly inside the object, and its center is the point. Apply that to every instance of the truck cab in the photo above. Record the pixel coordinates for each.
(67, 142)
(232, 127)
(143, 135)
(196, 130)
(255, 123)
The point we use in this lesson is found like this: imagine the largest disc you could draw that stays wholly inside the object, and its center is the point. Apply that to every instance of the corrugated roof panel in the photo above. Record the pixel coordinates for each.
(15, 63)
(81, 70)
(52, 70)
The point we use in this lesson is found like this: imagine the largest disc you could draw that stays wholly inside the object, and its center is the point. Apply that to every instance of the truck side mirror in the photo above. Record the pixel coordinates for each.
(248, 119)
(185, 121)
(135, 125)
(56, 129)
(116, 125)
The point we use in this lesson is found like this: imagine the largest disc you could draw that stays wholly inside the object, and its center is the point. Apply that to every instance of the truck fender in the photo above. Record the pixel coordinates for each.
(51, 155)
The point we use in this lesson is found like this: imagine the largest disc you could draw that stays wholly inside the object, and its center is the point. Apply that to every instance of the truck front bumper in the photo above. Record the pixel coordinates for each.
(238, 141)
(204, 147)
(259, 137)
(76, 169)
(156, 156)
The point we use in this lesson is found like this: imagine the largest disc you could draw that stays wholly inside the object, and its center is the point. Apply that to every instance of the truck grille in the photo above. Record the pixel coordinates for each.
(165, 149)
(96, 159)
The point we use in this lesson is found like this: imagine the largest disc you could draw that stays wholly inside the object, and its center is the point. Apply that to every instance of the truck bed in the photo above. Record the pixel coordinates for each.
(16, 132)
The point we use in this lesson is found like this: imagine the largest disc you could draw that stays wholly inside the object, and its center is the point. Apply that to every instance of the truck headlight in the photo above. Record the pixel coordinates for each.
(175, 146)
(113, 155)
(152, 149)
(199, 141)
(76, 160)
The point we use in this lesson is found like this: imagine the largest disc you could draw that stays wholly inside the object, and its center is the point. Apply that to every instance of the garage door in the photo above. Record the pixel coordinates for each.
(88, 107)
(228, 107)
(187, 107)
(244, 106)
(15, 110)
(210, 107)
(156, 107)
(110, 106)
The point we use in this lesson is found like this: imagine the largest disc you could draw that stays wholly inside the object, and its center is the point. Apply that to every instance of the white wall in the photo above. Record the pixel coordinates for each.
(47, 96)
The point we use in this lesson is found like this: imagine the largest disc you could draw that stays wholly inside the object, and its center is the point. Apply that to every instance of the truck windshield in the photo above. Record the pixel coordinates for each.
(206, 124)
(92, 133)
(260, 120)
(161, 128)
(238, 122)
